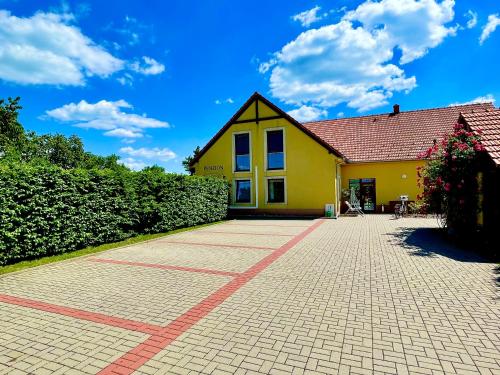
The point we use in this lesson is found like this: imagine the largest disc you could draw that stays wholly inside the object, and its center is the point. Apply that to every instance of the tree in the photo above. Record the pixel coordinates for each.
(186, 163)
(16, 145)
(11, 131)
(66, 152)
(449, 179)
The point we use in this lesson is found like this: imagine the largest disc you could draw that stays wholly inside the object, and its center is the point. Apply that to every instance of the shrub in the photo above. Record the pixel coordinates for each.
(169, 201)
(450, 179)
(46, 210)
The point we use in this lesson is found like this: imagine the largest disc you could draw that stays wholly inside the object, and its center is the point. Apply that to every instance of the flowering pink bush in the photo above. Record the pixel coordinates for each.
(449, 179)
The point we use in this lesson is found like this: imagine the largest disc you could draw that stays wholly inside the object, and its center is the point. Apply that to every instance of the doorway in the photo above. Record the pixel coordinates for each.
(364, 189)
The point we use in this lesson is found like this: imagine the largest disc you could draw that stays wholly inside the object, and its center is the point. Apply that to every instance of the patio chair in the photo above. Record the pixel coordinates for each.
(354, 209)
(354, 202)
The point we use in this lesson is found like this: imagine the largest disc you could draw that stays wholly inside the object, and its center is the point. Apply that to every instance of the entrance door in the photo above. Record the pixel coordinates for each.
(365, 192)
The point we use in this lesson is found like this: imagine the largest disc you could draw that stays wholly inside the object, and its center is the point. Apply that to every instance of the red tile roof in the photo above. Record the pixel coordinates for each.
(390, 137)
(488, 123)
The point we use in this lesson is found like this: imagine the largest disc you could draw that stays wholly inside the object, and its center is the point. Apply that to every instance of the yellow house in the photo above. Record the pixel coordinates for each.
(277, 165)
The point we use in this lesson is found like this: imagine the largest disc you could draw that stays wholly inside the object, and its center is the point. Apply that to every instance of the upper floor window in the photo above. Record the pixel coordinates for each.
(275, 149)
(242, 152)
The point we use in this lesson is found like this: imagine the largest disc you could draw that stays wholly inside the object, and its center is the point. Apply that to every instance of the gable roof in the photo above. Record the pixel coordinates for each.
(256, 97)
(391, 136)
(381, 137)
(488, 125)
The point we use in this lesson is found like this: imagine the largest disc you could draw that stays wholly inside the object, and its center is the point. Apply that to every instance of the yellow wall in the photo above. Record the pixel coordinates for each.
(310, 170)
(389, 181)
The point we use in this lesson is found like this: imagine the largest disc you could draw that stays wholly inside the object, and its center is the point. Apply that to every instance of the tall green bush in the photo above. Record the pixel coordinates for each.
(46, 210)
(449, 179)
(169, 201)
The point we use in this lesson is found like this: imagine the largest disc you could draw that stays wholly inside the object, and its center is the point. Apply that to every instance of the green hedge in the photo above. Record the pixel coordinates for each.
(46, 210)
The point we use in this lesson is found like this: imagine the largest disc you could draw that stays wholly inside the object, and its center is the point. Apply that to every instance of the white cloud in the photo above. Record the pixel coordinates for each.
(228, 101)
(491, 25)
(126, 79)
(155, 153)
(306, 113)
(131, 30)
(352, 61)
(124, 133)
(106, 115)
(413, 26)
(48, 49)
(340, 114)
(472, 19)
(148, 66)
(133, 164)
(308, 17)
(488, 98)
(265, 66)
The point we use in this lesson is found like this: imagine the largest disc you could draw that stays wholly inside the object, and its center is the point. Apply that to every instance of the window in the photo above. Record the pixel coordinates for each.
(276, 190)
(275, 149)
(243, 189)
(242, 152)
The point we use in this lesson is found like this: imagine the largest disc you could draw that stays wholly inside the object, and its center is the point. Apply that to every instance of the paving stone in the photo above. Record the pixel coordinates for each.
(357, 295)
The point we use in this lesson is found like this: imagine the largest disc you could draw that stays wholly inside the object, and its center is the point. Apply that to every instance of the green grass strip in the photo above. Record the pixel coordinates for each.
(93, 249)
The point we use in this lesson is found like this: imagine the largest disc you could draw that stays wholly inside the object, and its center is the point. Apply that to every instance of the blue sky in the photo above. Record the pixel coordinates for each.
(150, 81)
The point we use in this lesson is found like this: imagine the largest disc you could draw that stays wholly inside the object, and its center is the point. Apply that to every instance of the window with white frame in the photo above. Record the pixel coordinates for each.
(276, 190)
(275, 149)
(242, 191)
(242, 152)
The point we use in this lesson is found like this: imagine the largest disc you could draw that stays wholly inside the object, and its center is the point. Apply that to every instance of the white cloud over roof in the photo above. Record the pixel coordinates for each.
(353, 61)
(306, 113)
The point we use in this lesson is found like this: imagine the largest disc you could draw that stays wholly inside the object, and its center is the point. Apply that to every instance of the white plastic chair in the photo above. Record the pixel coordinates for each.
(354, 209)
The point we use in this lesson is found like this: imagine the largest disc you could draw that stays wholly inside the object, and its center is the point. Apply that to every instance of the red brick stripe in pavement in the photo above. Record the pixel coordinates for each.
(268, 225)
(221, 245)
(164, 267)
(247, 233)
(132, 325)
(142, 353)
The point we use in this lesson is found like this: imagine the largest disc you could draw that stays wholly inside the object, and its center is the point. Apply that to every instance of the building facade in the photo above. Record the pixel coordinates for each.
(277, 165)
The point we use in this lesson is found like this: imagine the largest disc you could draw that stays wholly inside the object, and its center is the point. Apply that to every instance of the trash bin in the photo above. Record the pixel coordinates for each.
(330, 210)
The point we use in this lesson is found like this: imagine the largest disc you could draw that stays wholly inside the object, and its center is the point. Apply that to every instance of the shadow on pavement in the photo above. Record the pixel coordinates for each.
(429, 242)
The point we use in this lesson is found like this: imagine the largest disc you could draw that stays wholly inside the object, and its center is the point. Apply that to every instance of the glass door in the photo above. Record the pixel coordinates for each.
(367, 191)
(364, 189)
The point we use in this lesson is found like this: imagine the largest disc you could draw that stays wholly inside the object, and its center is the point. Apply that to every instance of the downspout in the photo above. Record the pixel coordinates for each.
(338, 184)
(256, 188)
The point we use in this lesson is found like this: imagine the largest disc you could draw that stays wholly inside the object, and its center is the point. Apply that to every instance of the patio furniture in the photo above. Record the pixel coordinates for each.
(353, 210)
(401, 209)
(354, 201)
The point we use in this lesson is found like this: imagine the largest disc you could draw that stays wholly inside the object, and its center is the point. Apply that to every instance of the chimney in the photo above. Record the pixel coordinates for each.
(395, 109)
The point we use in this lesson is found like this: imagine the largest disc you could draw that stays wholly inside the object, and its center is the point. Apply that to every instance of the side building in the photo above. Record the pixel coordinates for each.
(277, 165)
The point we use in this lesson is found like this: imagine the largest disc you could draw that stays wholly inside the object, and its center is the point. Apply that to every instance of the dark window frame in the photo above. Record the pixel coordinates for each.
(268, 148)
(236, 154)
(236, 185)
(269, 181)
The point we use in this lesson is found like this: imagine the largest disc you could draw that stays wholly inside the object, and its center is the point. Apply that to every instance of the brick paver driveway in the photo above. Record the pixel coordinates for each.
(360, 295)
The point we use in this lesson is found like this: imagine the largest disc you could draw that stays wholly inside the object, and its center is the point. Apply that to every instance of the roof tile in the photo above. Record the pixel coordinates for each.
(488, 123)
(401, 136)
